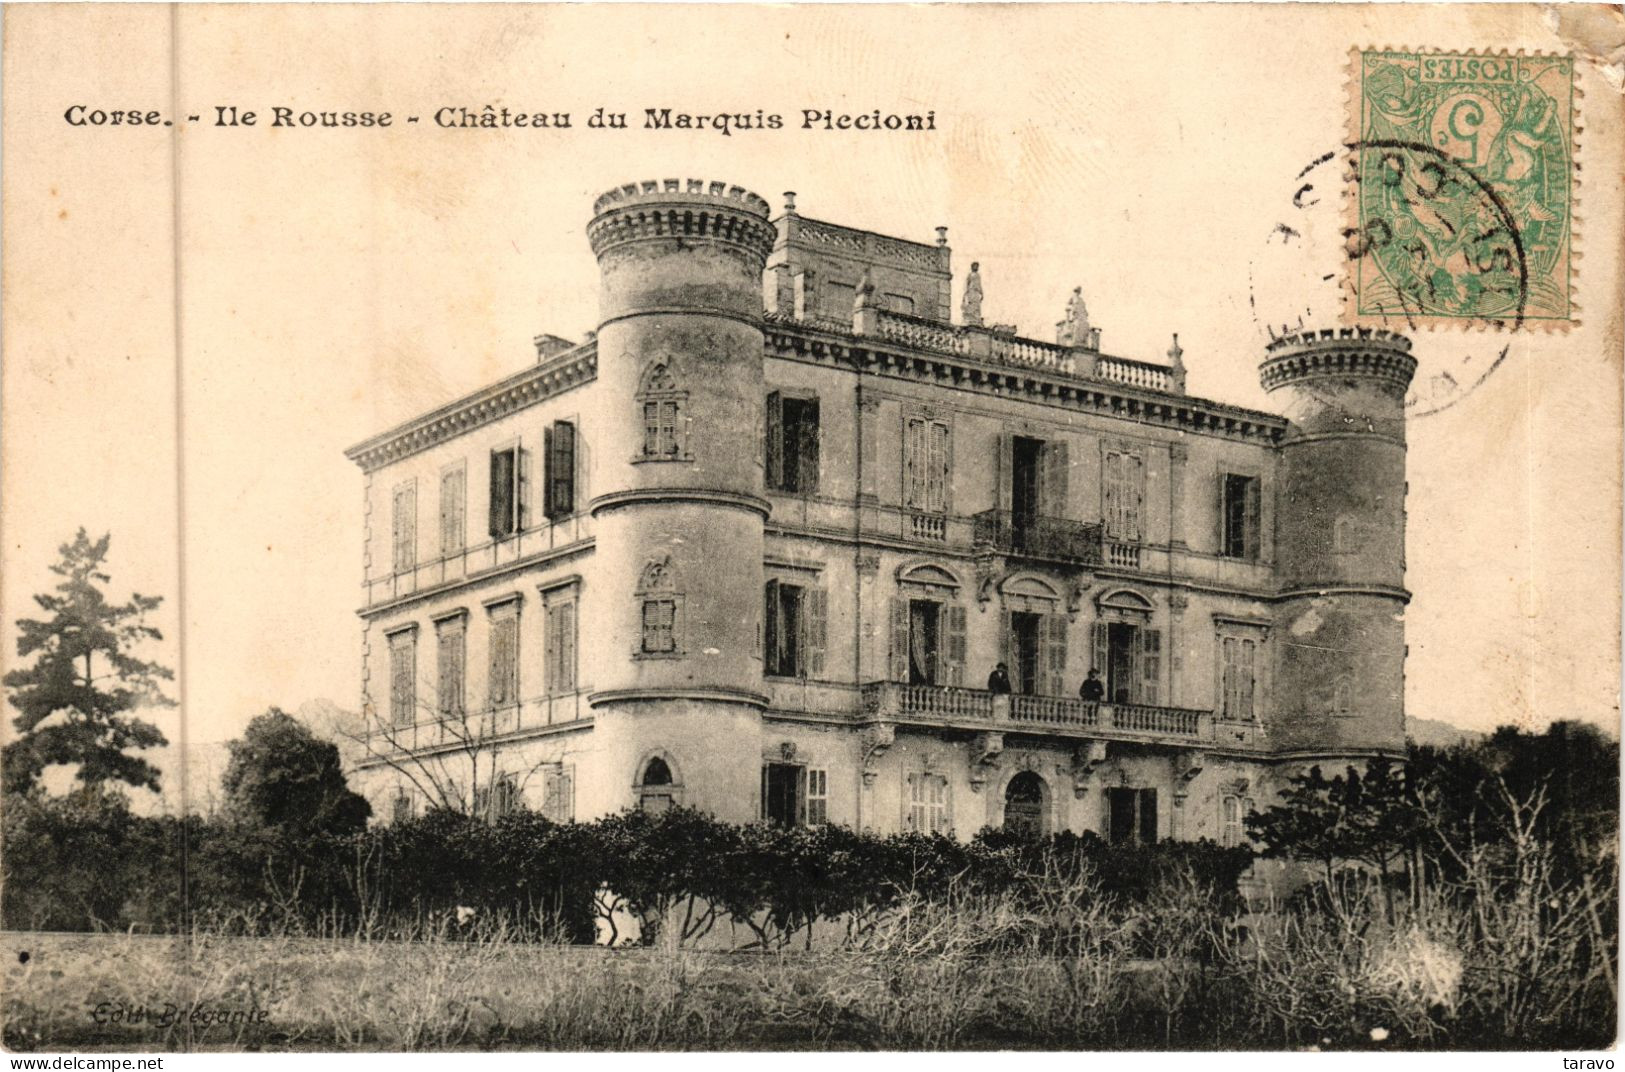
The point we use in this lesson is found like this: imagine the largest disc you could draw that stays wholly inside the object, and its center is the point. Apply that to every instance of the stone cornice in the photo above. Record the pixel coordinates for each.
(566, 371)
(797, 341)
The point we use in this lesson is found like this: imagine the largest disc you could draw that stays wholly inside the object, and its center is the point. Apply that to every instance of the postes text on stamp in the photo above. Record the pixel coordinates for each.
(1463, 198)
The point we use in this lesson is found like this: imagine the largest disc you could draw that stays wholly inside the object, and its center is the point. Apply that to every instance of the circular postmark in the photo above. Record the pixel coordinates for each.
(1422, 236)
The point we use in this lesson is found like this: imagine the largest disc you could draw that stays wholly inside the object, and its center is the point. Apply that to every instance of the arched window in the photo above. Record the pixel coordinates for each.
(657, 789)
(663, 406)
(660, 621)
(1024, 806)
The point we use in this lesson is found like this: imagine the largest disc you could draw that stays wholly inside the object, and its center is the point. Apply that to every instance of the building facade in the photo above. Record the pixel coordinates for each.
(761, 545)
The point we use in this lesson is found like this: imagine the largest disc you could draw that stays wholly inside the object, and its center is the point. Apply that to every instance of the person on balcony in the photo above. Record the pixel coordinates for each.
(1093, 689)
(998, 682)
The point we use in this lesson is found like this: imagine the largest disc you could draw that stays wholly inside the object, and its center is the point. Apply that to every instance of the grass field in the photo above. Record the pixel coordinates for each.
(136, 993)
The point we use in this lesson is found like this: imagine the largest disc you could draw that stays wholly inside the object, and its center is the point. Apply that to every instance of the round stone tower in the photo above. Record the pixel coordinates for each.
(1339, 636)
(678, 505)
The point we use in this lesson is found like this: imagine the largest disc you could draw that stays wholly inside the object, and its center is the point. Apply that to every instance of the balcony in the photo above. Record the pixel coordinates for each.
(944, 705)
(1050, 538)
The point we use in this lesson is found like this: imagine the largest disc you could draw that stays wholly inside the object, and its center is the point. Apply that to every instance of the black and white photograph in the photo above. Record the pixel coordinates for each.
(963, 527)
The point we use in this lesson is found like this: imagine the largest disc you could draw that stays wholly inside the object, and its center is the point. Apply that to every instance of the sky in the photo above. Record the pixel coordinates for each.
(200, 319)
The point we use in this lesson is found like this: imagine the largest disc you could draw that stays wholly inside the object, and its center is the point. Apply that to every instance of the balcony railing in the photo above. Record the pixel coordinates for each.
(1038, 537)
(932, 704)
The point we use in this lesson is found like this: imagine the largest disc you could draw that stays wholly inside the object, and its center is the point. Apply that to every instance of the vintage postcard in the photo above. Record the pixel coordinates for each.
(878, 527)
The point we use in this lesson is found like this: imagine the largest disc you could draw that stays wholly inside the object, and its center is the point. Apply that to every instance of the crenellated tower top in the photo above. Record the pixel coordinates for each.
(1368, 353)
(680, 208)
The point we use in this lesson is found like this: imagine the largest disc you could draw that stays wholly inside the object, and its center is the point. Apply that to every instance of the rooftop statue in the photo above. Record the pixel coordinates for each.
(970, 306)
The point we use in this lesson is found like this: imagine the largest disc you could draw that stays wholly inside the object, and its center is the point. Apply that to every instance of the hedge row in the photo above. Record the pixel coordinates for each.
(78, 865)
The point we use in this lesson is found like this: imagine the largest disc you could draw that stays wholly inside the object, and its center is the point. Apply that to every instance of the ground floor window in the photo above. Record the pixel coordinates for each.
(793, 795)
(927, 797)
(1024, 806)
(657, 788)
(1131, 816)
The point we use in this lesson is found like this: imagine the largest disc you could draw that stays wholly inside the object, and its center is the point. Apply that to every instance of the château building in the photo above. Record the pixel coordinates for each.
(758, 546)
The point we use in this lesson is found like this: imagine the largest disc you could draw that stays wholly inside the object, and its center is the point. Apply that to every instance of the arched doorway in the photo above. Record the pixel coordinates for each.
(1024, 805)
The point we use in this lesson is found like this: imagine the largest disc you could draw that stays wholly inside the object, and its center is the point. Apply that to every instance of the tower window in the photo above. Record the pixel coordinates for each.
(657, 788)
(660, 610)
(792, 443)
(1239, 515)
(1230, 822)
(665, 424)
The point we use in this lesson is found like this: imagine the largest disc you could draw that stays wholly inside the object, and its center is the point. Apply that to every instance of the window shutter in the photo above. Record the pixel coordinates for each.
(405, 526)
(558, 469)
(775, 440)
(1246, 678)
(1007, 651)
(1150, 665)
(808, 444)
(567, 647)
(762, 811)
(770, 628)
(1227, 676)
(1136, 496)
(816, 622)
(937, 490)
(1148, 816)
(1053, 496)
(1102, 646)
(550, 644)
(502, 477)
(911, 803)
(1251, 546)
(913, 461)
(1221, 510)
(955, 627)
(522, 490)
(1004, 479)
(1055, 655)
(899, 639)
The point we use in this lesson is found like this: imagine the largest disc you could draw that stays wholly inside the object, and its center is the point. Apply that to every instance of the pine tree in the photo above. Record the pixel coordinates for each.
(77, 697)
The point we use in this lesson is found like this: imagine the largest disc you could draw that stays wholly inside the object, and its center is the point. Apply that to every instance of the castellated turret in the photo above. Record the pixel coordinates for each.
(680, 352)
(1340, 535)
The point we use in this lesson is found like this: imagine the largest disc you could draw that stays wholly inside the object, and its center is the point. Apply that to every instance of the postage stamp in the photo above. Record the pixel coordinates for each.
(1462, 204)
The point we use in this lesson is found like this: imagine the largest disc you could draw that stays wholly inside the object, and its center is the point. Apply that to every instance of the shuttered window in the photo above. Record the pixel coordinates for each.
(453, 510)
(559, 478)
(1124, 495)
(404, 526)
(659, 626)
(817, 797)
(451, 648)
(561, 647)
(559, 793)
(403, 669)
(927, 799)
(504, 686)
(508, 484)
(1238, 660)
(1239, 516)
(925, 465)
(794, 625)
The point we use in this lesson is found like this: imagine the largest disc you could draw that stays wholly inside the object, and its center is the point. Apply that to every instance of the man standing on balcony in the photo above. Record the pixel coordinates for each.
(1093, 690)
(998, 682)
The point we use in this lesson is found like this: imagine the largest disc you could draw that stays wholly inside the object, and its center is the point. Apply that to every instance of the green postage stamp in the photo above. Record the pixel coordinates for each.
(1463, 195)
